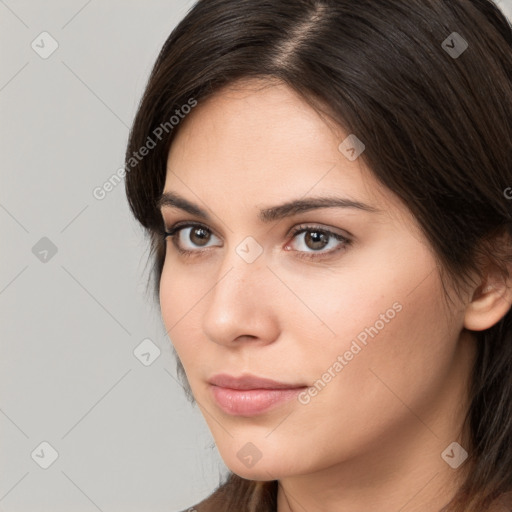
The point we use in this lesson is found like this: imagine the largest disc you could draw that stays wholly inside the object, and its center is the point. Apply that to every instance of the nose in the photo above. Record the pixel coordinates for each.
(242, 304)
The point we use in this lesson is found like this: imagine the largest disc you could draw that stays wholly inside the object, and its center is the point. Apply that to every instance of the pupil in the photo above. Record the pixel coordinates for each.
(318, 239)
(202, 238)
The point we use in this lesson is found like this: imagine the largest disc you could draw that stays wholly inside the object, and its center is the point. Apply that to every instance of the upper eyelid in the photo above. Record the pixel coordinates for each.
(297, 229)
(190, 224)
(345, 233)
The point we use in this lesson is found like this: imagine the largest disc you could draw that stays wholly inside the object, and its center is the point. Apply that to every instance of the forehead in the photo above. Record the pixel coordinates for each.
(261, 141)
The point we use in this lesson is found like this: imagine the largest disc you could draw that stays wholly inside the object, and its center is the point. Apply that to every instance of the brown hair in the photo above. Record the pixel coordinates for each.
(438, 133)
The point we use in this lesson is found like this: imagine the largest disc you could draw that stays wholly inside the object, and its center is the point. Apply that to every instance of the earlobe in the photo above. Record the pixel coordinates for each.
(490, 303)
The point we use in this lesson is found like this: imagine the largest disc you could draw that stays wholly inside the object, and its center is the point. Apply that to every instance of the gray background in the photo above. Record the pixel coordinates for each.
(126, 438)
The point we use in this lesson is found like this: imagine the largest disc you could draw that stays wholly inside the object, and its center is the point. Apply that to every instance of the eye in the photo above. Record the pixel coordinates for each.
(188, 237)
(317, 239)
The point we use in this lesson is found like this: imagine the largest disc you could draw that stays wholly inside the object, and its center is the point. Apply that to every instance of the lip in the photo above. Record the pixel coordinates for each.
(224, 380)
(250, 395)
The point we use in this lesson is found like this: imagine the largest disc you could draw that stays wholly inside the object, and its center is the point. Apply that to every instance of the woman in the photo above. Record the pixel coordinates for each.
(326, 186)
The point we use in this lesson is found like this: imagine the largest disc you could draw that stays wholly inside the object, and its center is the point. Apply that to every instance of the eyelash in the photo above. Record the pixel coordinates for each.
(345, 242)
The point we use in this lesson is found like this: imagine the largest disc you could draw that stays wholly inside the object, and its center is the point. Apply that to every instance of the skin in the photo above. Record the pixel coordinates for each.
(372, 438)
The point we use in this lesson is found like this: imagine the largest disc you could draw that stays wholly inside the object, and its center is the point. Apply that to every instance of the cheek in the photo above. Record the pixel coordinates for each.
(170, 290)
(384, 365)
(182, 287)
(386, 319)
(180, 296)
(333, 307)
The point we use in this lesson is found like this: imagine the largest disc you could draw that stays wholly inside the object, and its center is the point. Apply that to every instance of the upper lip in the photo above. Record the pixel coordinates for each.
(249, 382)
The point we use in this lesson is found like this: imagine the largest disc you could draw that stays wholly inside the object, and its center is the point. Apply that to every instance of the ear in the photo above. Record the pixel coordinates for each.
(491, 301)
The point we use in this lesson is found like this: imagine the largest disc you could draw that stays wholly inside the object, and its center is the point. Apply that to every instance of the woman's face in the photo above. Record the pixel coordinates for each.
(361, 325)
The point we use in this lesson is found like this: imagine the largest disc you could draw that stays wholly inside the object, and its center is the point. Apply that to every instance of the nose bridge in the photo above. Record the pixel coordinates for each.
(240, 302)
(242, 275)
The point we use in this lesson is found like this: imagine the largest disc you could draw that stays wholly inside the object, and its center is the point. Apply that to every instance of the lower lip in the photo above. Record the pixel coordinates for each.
(250, 402)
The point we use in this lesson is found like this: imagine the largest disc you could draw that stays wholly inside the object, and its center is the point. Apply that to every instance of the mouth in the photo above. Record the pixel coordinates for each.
(250, 395)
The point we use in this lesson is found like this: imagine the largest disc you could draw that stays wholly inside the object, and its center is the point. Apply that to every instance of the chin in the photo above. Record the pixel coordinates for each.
(264, 470)
(260, 475)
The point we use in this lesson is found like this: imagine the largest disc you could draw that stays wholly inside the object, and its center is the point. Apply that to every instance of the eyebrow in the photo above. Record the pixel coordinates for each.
(173, 200)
